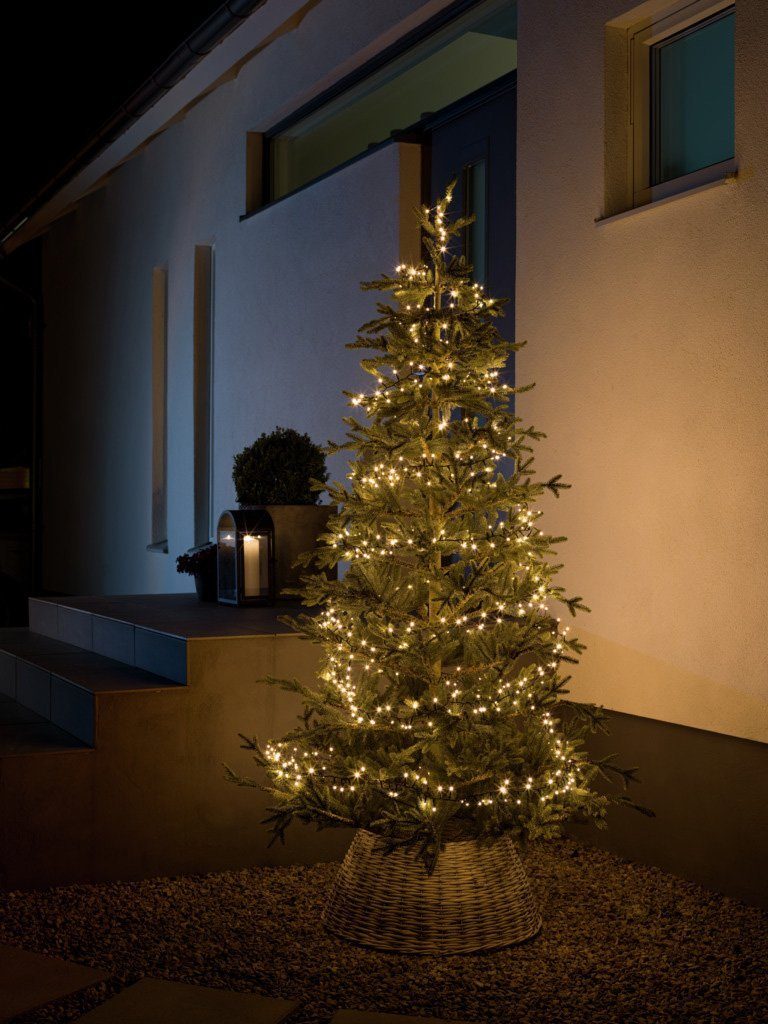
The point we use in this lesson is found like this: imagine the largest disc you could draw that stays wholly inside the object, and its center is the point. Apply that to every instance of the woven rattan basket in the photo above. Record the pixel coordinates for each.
(477, 898)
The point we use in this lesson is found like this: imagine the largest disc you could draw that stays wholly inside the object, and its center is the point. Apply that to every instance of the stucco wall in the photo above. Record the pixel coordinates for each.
(286, 302)
(647, 340)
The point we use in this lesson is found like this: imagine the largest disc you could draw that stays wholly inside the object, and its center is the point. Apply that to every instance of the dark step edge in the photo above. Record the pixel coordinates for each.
(67, 608)
(68, 703)
(153, 650)
(76, 745)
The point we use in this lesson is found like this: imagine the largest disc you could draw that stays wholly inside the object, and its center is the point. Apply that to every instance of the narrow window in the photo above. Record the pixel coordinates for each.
(254, 171)
(159, 410)
(475, 202)
(203, 392)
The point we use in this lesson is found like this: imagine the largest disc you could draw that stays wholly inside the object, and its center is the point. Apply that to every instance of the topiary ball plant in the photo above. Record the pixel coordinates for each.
(281, 468)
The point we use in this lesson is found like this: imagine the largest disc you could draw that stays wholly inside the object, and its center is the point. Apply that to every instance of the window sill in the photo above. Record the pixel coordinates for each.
(728, 176)
(160, 548)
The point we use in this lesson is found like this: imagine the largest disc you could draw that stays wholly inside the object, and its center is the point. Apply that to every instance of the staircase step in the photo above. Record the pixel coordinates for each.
(61, 683)
(13, 713)
(105, 626)
(24, 644)
(150, 631)
(24, 732)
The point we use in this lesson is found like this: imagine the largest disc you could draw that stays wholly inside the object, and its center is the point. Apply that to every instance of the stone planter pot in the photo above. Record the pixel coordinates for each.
(205, 584)
(297, 528)
(477, 898)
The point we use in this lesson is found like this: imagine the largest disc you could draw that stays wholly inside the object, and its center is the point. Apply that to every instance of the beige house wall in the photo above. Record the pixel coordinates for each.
(648, 337)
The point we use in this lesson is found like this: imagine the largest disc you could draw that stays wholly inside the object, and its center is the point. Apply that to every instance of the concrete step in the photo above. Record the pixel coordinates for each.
(25, 732)
(149, 798)
(149, 631)
(61, 683)
(104, 627)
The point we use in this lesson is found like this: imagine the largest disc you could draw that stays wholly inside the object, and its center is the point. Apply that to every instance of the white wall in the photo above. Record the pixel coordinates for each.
(286, 302)
(647, 340)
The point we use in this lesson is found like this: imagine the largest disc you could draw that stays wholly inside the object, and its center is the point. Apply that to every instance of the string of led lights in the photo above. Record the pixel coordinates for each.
(441, 691)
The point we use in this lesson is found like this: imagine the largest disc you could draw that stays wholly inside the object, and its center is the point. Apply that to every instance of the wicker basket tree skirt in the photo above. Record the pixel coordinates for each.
(477, 898)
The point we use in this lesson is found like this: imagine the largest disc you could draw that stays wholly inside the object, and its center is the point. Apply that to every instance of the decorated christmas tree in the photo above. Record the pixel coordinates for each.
(441, 710)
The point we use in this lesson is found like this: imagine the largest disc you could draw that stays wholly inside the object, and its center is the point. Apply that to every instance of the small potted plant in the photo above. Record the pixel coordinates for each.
(200, 562)
(283, 473)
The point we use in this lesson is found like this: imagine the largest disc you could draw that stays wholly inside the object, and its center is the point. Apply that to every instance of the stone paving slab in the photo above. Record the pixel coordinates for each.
(29, 980)
(153, 1001)
(367, 1017)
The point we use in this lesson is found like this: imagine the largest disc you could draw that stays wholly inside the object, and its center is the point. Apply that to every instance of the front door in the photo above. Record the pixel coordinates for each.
(475, 143)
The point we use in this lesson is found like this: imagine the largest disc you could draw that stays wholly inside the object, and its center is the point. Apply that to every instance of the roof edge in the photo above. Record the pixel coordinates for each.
(189, 53)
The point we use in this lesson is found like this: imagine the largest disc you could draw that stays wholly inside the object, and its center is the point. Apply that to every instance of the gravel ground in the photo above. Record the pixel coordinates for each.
(622, 944)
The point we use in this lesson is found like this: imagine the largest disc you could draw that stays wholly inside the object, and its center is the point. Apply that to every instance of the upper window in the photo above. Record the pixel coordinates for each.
(692, 85)
(455, 60)
(682, 99)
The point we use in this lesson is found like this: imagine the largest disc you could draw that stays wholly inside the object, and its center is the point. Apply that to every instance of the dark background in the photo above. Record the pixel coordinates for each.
(65, 69)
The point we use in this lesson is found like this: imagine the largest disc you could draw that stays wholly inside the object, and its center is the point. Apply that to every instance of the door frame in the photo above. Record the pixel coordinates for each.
(421, 131)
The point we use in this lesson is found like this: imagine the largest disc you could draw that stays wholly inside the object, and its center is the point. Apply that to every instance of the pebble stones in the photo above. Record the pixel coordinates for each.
(621, 944)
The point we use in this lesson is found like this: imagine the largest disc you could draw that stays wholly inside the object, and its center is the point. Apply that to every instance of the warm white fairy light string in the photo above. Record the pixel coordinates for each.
(364, 657)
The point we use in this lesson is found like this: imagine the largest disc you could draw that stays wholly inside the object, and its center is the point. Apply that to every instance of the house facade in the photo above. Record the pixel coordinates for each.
(200, 281)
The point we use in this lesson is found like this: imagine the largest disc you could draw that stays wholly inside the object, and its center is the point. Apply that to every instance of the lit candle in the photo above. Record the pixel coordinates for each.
(251, 565)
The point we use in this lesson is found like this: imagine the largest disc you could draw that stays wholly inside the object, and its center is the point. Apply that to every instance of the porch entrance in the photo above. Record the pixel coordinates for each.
(474, 141)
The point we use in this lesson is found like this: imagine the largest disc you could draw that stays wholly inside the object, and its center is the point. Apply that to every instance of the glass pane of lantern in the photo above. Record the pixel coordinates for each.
(227, 558)
(255, 565)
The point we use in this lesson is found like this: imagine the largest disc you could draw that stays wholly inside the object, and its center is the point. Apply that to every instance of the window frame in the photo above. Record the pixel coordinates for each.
(480, 154)
(380, 60)
(686, 17)
(202, 388)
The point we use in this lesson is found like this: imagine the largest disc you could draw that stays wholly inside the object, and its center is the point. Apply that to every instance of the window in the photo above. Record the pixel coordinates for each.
(692, 99)
(203, 392)
(159, 410)
(476, 234)
(682, 71)
(254, 171)
(454, 60)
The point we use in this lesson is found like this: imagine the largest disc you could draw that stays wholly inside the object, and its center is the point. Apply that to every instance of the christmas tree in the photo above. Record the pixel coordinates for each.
(441, 710)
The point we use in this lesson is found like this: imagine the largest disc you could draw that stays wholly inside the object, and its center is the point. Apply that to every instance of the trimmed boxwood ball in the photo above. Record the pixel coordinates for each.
(279, 469)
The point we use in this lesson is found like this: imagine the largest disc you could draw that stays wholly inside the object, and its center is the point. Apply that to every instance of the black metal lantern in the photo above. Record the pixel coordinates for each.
(246, 559)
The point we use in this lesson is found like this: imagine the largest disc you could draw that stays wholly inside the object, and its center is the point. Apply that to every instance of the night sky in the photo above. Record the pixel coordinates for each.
(66, 68)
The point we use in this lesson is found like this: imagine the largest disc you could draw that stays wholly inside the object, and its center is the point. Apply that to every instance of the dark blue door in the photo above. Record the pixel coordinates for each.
(475, 143)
